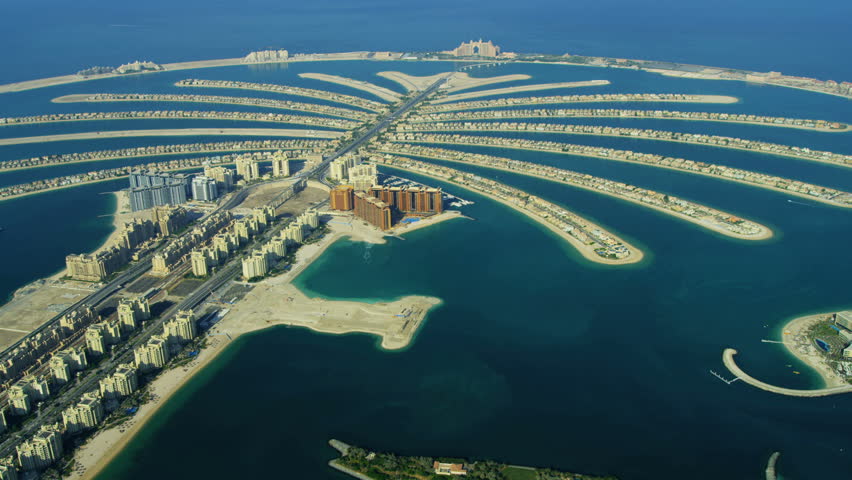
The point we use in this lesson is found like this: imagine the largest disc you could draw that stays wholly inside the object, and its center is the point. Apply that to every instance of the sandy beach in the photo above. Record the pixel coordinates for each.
(798, 344)
(586, 251)
(274, 301)
(176, 132)
(765, 233)
(381, 92)
(523, 88)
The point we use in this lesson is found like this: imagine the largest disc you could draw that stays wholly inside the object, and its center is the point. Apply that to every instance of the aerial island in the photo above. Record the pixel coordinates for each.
(208, 242)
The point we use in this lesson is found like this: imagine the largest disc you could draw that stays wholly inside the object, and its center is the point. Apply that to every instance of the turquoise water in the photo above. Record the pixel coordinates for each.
(537, 356)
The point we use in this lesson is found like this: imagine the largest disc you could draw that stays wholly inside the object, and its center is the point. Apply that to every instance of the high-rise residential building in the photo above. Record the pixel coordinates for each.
(42, 450)
(264, 215)
(60, 370)
(131, 311)
(342, 198)
(181, 328)
(248, 168)
(170, 219)
(310, 218)
(150, 189)
(86, 414)
(153, 354)
(362, 177)
(225, 244)
(204, 189)
(415, 200)
(255, 265)
(199, 263)
(280, 164)
(338, 169)
(97, 267)
(19, 400)
(373, 211)
(224, 178)
(100, 335)
(3, 424)
(136, 233)
(294, 233)
(121, 383)
(275, 249)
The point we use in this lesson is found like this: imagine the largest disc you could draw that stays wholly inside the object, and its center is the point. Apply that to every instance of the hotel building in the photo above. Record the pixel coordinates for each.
(373, 211)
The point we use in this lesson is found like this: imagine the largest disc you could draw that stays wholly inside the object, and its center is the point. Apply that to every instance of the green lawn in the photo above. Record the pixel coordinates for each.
(515, 473)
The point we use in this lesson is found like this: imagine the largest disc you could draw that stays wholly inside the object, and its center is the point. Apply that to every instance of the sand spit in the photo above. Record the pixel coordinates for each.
(463, 81)
(176, 132)
(411, 83)
(381, 92)
(523, 88)
(730, 363)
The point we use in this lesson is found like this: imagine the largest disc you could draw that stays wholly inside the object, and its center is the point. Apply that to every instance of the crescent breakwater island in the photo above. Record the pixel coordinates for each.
(681, 70)
(784, 122)
(701, 215)
(822, 194)
(821, 341)
(157, 311)
(717, 141)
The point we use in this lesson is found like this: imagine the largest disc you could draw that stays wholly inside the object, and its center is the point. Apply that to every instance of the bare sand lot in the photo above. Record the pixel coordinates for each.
(381, 92)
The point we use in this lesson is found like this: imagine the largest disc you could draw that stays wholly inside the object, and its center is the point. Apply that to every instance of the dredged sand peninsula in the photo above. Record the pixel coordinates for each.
(176, 132)
(381, 92)
(457, 80)
(274, 301)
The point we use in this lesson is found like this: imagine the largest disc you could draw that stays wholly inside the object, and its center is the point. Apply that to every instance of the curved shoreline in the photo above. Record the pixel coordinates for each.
(765, 234)
(603, 157)
(635, 256)
(791, 336)
(106, 445)
(731, 365)
(177, 132)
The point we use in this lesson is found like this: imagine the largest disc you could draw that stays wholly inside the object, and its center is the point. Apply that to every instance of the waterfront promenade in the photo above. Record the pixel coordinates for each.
(731, 364)
(243, 101)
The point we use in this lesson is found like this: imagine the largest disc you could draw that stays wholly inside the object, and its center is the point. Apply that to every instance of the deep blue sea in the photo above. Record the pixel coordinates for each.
(537, 356)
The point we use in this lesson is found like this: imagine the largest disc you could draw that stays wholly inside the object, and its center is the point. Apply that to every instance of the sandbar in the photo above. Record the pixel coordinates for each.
(523, 88)
(381, 92)
(176, 132)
